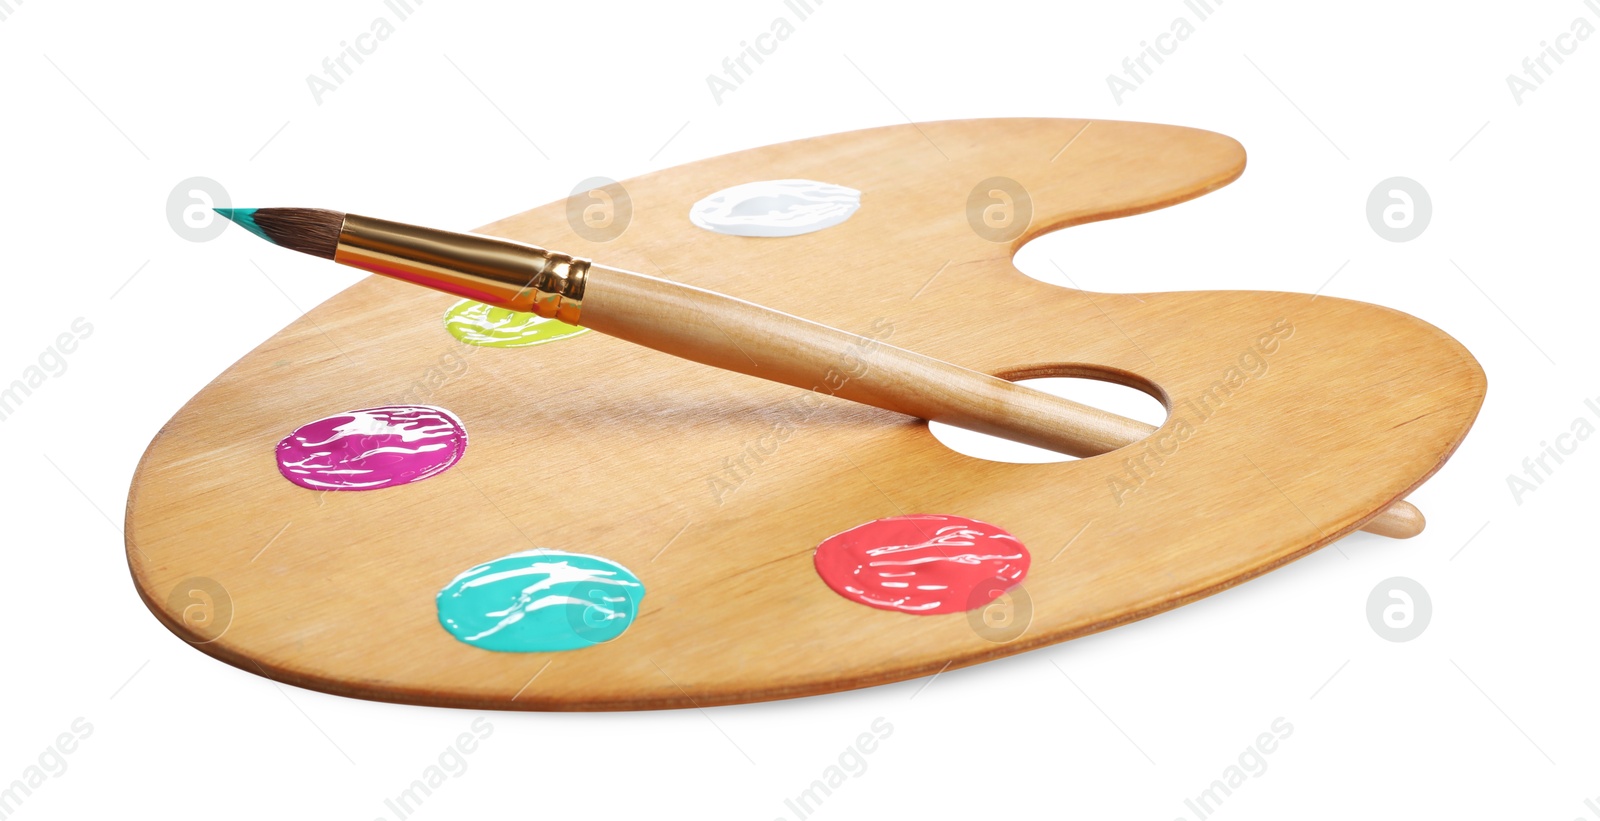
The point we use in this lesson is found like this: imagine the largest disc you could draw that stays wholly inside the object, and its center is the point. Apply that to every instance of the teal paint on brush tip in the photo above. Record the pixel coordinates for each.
(540, 601)
(246, 217)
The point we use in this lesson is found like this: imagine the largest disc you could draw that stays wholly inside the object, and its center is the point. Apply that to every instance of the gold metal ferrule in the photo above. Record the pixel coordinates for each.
(496, 271)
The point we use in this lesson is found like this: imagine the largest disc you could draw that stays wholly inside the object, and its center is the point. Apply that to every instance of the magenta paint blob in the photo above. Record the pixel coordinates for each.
(922, 564)
(372, 448)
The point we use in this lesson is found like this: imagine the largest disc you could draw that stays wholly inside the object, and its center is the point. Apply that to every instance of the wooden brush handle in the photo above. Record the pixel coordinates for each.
(723, 332)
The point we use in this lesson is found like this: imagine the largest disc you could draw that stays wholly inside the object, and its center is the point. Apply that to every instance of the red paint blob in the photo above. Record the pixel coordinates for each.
(923, 564)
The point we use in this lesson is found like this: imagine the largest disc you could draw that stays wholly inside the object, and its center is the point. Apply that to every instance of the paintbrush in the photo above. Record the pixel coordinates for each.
(714, 329)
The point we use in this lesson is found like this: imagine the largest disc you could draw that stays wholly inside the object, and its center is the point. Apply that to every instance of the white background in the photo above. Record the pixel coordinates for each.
(1490, 713)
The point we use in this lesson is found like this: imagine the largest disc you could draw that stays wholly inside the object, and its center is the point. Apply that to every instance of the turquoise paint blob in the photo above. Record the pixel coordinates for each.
(540, 601)
(245, 217)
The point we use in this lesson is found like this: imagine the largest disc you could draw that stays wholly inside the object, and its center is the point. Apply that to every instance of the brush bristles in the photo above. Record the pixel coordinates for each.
(313, 231)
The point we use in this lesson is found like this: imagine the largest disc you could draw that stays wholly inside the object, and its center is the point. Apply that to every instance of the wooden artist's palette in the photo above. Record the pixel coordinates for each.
(593, 445)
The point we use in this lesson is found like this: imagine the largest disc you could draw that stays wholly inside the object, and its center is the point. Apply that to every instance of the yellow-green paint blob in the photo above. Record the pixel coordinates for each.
(475, 323)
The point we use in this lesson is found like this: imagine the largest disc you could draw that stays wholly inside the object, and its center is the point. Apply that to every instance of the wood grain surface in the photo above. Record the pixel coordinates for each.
(1292, 421)
(737, 335)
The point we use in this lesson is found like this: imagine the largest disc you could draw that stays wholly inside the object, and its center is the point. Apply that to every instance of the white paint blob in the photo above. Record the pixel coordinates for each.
(775, 208)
